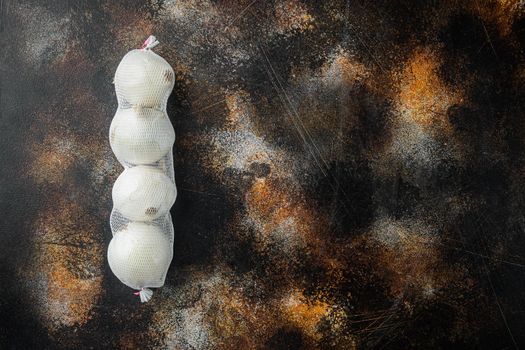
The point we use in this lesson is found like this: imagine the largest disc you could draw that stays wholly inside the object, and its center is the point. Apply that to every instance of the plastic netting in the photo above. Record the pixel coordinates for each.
(142, 138)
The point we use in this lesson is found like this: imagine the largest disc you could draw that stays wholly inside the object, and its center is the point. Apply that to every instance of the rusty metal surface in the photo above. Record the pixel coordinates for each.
(350, 174)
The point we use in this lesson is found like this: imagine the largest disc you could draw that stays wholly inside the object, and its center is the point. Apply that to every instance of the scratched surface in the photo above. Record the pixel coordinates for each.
(350, 174)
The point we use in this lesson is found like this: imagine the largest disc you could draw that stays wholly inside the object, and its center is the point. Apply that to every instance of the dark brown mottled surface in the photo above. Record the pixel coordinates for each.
(350, 174)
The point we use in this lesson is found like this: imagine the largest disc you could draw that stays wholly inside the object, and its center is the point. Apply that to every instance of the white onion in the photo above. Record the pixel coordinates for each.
(143, 193)
(139, 255)
(141, 135)
(143, 78)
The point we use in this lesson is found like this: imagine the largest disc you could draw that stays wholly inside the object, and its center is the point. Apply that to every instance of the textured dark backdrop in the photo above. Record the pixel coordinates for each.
(350, 174)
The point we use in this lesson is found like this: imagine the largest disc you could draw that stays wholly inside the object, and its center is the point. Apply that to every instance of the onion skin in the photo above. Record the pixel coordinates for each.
(139, 255)
(143, 193)
(144, 79)
(141, 136)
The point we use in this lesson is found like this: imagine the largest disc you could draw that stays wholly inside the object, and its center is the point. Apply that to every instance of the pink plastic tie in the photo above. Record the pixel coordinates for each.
(144, 294)
(150, 43)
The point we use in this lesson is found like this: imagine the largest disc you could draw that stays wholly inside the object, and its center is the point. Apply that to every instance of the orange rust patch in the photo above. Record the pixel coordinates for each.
(239, 107)
(78, 295)
(271, 208)
(414, 260)
(423, 96)
(231, 320)
(345, 69)
(236, 316)
(264, 198)
(292, 15)
(304, 314)
(50, 165)
(500, 12)
(69, 254)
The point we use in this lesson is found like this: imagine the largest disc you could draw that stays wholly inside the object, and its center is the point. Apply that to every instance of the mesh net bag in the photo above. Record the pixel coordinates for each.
(142, 138)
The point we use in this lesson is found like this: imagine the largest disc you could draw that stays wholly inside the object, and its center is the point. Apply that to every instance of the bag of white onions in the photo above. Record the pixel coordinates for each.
(142, 138)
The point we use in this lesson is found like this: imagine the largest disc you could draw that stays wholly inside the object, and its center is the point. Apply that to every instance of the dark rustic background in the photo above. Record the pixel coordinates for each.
(350, 174)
